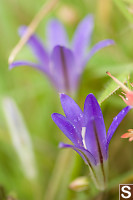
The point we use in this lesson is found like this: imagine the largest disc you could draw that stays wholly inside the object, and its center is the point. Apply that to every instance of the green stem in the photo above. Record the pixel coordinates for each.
(122, 7)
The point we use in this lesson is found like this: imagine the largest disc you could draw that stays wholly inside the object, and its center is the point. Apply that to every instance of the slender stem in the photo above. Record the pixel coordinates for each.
(64, 160)
(50, 5)
(126, 89)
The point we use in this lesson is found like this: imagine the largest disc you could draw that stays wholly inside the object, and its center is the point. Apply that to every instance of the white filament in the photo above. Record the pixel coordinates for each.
(83, 136)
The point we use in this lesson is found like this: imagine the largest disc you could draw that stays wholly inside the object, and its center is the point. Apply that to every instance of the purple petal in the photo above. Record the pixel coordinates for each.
(37, 47)
(95, 135)
(82, 36)
(67, 128)
(97, 47)
(73, 112)
(86, 155)
(23, 63)
(56, 34)
(63, 69)
(116, 121)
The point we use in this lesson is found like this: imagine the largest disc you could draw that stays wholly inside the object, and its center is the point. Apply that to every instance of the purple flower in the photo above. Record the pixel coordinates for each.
(63, 63)
(86, 130)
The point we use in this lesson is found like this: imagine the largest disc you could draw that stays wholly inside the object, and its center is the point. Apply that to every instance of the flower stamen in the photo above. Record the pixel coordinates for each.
(83, 136)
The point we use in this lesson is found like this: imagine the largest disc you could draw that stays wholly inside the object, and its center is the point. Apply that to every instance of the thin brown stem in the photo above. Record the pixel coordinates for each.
(50, 5)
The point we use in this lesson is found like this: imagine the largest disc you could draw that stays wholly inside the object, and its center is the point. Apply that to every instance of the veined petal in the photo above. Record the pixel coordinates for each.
(86, 155)
(56, 34)
(95, 140)
(63, 69)
(92, 109)
(37, 47)
(95, 135)
(67, 128)
(116, 121)
(23, 63)
(72, 111)
(82, 36)
(97, 47)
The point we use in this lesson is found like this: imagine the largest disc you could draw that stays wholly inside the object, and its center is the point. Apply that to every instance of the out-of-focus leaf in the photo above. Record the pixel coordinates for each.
(58, 173)
(100, 72)
(20, 137)
(128, 1)
(123, 8)
(125, 178)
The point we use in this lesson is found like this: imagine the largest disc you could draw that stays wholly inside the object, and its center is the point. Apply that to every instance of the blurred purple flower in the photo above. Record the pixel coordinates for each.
(61, 62)
(86, 130)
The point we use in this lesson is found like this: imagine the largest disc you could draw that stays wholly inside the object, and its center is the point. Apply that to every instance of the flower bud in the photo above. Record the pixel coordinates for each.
(79, 184)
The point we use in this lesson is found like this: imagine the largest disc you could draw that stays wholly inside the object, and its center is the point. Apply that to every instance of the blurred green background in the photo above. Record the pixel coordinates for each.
(37, 100)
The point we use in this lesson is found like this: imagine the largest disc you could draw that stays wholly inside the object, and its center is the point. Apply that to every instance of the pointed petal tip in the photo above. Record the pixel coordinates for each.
(22, 29)
(90, 17)
(53, 116)
(107, 42)
(13, 65)
(62, 95)
(10, 66)
(61, 145)
(91, 96)
(56, 116)
(128, 108)
(110, 41)
(56, 33)
(53, 22)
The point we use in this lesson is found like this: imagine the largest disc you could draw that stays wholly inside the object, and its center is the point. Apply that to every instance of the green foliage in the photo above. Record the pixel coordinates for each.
(111, 87)
(37, 100)
(124, 9)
